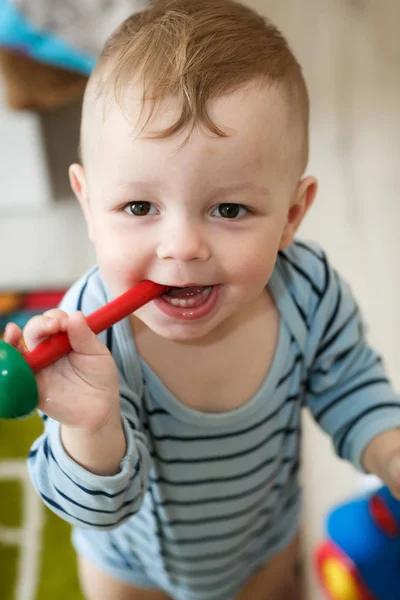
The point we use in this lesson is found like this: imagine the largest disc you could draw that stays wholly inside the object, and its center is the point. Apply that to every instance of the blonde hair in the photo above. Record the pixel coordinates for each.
(197, 50)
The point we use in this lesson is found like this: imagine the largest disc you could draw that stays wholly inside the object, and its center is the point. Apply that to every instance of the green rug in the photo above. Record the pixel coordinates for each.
(37, 561)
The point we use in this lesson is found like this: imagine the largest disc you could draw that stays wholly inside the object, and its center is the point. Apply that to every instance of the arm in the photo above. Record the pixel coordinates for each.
(96, 475)
(99, 500)
(347, 388)
(99, 452)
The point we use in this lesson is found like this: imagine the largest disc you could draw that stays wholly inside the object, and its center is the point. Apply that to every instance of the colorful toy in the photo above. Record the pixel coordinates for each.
(20, 306)
(18, 390)
(18, 33)
(361, 558)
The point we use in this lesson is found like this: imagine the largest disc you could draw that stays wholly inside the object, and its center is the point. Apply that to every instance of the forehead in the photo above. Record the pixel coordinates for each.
(255, 119)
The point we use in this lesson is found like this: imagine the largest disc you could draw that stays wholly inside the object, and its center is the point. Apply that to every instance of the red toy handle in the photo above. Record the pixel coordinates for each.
(52, 349)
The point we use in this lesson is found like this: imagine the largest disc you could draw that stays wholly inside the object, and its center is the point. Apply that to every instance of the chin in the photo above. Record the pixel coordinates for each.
(181, 332)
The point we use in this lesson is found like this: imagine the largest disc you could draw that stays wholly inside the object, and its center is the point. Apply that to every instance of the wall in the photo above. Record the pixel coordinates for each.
(43, 238)
(350, 51)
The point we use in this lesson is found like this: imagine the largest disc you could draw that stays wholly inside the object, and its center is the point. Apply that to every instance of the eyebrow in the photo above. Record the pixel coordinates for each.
(240, 187)
(216, 190)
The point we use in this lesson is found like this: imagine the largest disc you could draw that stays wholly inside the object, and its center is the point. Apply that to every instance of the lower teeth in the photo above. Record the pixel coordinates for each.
(190, 302)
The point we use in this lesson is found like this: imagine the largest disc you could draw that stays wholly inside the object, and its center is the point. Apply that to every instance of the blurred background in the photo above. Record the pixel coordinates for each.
(350, 52)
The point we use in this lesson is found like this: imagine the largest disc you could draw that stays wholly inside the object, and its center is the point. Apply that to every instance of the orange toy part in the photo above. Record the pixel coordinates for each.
(338, 575)
(9, 302)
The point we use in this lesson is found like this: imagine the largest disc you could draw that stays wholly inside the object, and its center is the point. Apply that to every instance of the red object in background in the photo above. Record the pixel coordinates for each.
(43, 300)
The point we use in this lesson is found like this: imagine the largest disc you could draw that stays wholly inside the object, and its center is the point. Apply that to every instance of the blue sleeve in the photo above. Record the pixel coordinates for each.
(347, 388)
(73, 493)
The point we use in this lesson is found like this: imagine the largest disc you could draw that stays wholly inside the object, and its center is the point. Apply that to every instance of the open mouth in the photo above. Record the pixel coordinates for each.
(189, 303)
(185, 297)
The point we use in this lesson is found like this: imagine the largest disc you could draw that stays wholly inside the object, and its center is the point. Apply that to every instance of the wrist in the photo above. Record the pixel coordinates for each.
(99, 451)
(111, 424)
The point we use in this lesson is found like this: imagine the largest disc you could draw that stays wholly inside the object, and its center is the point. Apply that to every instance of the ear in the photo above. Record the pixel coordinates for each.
(78, 183)
(303, 199)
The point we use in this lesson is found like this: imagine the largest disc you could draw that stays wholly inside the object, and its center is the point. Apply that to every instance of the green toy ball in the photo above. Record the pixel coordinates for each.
(18, 390)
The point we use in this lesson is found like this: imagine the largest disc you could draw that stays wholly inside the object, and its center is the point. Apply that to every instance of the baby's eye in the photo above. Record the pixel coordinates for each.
(230, 211)
(140, 209)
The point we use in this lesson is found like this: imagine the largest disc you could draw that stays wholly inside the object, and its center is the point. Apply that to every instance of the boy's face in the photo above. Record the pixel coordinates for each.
(210, 216)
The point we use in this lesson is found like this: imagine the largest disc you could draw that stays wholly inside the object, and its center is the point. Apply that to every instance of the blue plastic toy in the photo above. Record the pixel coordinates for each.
(360, 560)
(17, 33)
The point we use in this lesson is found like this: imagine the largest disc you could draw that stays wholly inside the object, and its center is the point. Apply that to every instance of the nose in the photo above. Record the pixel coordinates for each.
(184, 241)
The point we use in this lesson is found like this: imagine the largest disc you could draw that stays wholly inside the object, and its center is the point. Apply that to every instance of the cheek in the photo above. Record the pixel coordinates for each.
(251, 261)
(255, 272)
(119, 257)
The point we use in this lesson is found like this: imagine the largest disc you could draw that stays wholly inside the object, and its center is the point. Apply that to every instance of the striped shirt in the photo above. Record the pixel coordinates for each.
(202, 500)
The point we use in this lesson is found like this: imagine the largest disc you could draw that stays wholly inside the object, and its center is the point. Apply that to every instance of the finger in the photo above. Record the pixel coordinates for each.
(59, 315)
(41, 327)
(82, 338)
(393, 474)
(12, 333)
(13, 336)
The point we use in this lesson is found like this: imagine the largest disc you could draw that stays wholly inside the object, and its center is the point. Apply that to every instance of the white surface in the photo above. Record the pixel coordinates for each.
(43, 241)
(47, 250)
(25, 187)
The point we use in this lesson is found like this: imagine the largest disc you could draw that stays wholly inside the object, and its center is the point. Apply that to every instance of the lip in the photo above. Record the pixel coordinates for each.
(190, 284)
(189, 313)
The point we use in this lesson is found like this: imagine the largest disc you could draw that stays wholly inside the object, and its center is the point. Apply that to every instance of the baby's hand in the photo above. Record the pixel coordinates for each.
(81, 389)
(382, 457)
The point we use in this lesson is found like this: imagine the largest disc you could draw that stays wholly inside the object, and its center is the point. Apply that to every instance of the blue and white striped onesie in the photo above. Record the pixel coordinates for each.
(203, 500)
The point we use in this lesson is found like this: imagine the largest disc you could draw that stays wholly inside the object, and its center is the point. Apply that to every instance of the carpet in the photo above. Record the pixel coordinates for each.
(37, 561)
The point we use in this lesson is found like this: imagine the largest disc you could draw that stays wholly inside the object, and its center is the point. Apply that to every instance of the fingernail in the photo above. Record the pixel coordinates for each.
(7, 330)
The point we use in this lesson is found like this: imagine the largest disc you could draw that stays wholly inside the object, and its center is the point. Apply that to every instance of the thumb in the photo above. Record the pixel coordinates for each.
(82, 338)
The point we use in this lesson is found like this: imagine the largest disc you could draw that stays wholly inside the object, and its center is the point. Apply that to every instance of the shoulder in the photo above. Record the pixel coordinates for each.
(306, 272)
(322, 298)
(87, 294)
